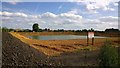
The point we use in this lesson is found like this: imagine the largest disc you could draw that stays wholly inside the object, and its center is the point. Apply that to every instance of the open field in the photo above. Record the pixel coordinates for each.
(20, 50)
(55, 47)
(107, 34)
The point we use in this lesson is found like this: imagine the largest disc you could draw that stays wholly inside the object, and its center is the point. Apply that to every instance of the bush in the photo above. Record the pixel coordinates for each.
(108, 55)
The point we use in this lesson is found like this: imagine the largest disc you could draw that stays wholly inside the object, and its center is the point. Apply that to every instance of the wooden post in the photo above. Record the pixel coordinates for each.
(93, 41)
(87, 39)
(85, 59)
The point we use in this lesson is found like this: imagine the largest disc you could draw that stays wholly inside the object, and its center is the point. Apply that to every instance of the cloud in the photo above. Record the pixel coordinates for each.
(74, 11)
(45, 20)
(48, 15)
(109, 19)
(50, 20)
(13, 3)
(108, 9)
(13, 14)
(91, 5)
(97, 4)
(115, 4)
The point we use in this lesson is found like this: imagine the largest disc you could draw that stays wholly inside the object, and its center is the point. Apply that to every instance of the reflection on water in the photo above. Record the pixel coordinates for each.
(34, 37)
(61, 37)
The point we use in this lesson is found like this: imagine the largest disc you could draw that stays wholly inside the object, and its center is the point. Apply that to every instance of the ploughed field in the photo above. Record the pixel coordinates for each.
(20, 50)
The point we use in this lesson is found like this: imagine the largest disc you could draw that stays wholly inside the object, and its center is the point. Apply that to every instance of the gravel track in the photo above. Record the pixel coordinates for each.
(17, 53)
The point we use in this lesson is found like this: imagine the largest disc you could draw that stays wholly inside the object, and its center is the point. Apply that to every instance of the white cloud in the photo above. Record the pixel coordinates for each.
(20, 14)
(13, 14)
(91, 5)
(107, 8)
(74, 11)
(115, 4)
(13, 3)
(6, 13)
(97, 4)
(56, 21)
(48, 14)
(69, 15)
(109, 19)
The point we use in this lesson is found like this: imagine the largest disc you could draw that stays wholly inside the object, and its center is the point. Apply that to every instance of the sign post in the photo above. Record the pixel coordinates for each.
(90, 35)
(87, 39)
(93, 41)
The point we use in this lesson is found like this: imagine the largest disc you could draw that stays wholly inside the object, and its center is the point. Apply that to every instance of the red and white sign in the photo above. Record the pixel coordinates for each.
(90, 34)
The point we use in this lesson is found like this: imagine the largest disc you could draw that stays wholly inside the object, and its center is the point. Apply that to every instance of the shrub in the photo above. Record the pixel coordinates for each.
(108, 55)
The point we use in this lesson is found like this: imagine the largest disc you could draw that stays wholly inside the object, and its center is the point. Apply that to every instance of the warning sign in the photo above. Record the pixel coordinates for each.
(90, 34)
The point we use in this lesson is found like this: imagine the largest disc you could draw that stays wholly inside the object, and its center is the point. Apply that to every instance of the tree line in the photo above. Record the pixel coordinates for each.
(35, 28)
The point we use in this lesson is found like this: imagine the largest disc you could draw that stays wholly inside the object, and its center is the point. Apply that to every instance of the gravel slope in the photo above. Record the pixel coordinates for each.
(17, 53)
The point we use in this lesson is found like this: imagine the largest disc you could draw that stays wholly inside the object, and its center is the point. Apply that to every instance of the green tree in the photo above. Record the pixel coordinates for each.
(5, 29)
(84, 30)
(108, 56)
(35, 27)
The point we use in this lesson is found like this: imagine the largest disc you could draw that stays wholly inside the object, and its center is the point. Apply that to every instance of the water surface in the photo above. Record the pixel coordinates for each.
(61, 37)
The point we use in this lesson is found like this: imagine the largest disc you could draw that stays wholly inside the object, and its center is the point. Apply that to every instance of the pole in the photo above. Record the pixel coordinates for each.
(87, 39)
(85, 50)
(93, 41)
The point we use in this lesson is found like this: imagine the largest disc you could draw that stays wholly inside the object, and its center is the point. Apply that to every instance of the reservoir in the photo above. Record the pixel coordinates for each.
(61, 37)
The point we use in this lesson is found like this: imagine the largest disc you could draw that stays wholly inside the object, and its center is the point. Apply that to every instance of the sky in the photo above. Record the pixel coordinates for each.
(69, 15)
